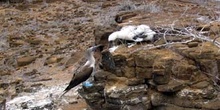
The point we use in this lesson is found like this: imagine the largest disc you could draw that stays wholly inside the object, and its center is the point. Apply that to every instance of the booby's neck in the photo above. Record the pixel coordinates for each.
(90, 59)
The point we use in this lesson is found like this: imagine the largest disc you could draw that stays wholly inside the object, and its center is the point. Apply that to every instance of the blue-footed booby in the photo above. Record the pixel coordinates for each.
(132, 33)
(85, 71)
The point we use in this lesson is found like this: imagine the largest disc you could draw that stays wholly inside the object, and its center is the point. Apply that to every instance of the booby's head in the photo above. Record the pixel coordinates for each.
(89, 54)
(112, 37)
(94, 48)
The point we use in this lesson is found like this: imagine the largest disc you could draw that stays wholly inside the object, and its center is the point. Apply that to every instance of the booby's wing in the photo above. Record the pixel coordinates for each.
(78, 78)
(139, 37)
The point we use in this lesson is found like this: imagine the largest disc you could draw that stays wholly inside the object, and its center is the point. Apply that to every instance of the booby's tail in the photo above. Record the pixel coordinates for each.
(73, 83)
(66, 90)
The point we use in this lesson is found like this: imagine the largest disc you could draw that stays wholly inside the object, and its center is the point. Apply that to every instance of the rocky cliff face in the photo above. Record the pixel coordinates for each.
(180, 77)
(42, 42)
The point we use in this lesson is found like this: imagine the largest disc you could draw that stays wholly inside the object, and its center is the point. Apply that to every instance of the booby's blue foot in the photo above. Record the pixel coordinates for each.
(87, 84)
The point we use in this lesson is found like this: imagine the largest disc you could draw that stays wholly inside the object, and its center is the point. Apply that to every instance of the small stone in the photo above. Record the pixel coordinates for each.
(52, 59)
(159, 72)
(161, 79)
(134, 81)
(172, 86)
(197, 40)
(192, 44)
(36, 85)
(201, 85)
(25, 60)
(124, 15)
(17, 43)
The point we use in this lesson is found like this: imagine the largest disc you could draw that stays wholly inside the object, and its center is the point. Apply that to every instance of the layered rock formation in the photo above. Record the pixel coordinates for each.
(42, 40)
(180, 76)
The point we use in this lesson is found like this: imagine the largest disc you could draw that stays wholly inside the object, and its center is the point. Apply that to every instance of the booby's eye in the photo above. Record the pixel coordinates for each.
(111, 44)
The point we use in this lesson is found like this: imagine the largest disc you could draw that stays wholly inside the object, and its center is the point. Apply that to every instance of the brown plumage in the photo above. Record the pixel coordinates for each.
(85, 71)
(78, 78)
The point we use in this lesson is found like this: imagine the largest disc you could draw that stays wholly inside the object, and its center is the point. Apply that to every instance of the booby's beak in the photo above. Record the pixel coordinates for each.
(100, 47)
